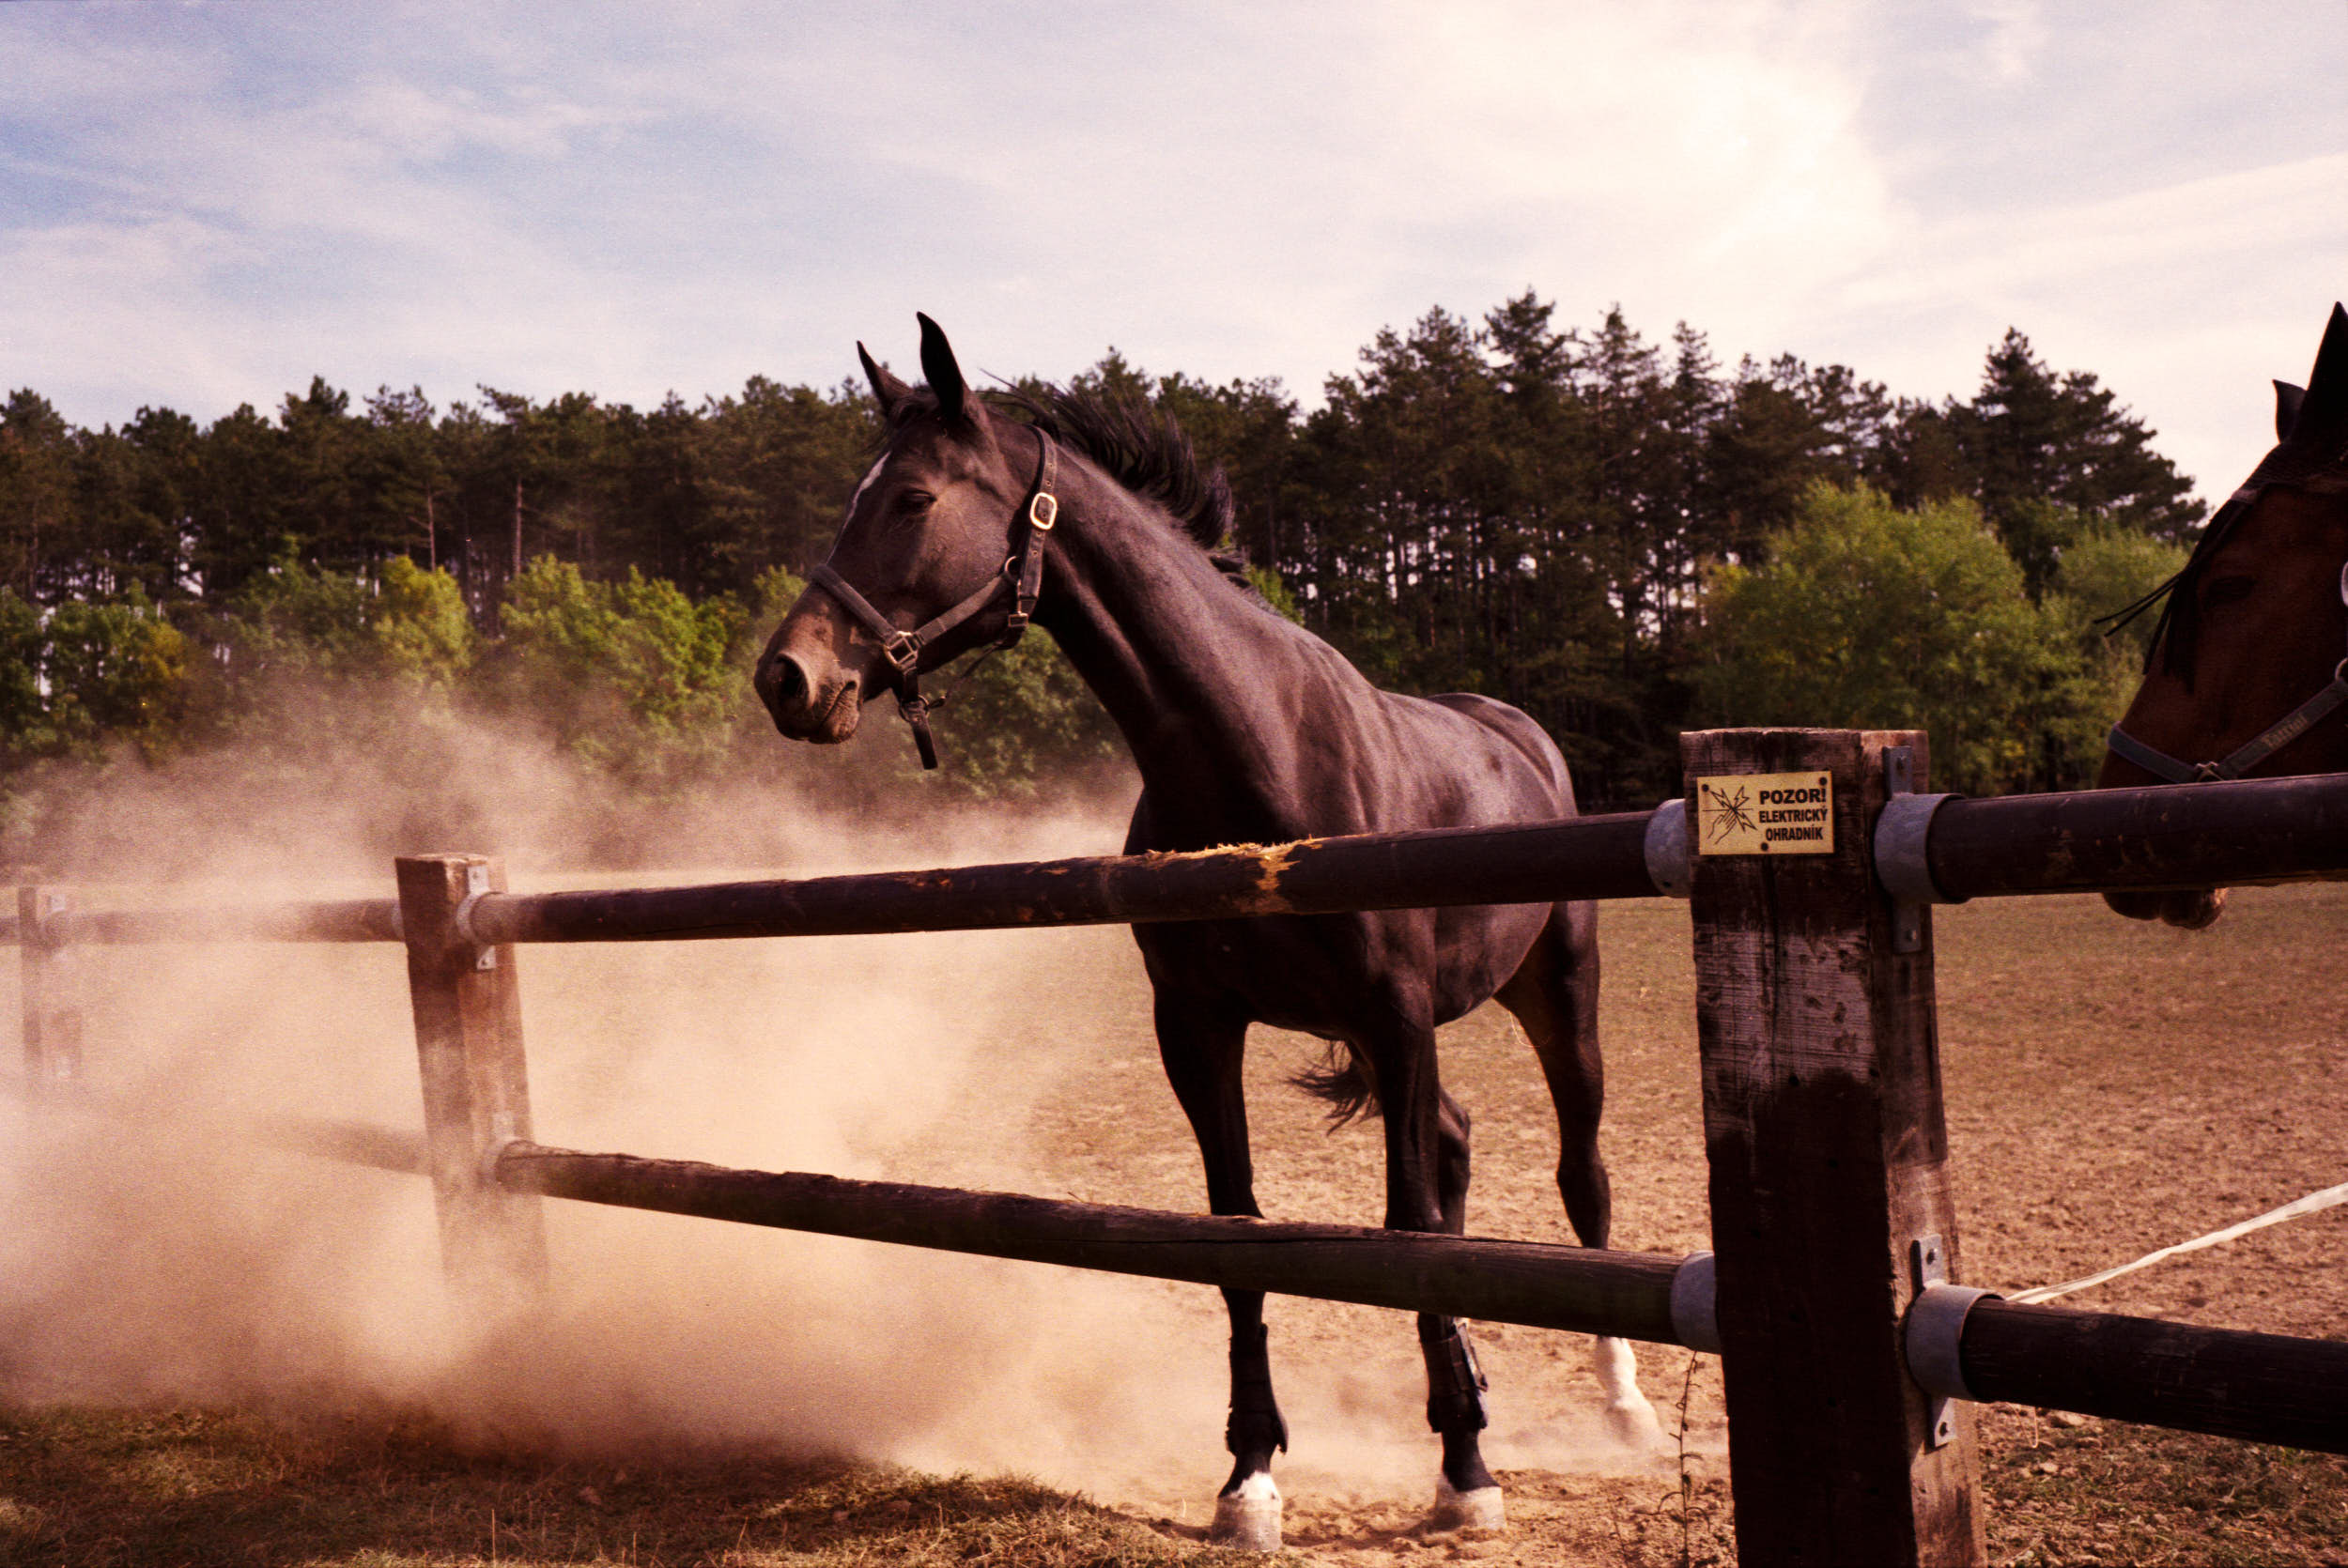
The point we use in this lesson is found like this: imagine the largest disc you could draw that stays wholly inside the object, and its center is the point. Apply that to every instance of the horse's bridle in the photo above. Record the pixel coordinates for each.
(1022, 576)
(2251, 753)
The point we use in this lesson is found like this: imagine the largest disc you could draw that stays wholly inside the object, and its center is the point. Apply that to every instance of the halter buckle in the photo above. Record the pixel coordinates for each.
(903, 650)
(1043, 512)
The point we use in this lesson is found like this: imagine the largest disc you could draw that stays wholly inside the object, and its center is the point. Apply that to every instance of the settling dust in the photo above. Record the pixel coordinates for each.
(154, 1257)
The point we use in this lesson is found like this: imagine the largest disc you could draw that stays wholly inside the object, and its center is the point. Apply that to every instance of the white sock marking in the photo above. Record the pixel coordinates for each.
(1618, 1370)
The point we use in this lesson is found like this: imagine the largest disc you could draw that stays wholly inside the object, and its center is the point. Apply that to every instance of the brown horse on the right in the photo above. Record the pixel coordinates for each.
(2247, 676)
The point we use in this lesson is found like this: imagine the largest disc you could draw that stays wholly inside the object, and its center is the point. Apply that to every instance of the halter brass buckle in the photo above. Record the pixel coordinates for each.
(1043, 512)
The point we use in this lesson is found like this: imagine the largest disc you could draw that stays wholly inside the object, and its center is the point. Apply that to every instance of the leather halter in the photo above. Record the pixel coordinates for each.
(1022, 576)
(2250, 754)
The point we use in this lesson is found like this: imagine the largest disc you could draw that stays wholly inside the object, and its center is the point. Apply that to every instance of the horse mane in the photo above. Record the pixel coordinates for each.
(1145, 450)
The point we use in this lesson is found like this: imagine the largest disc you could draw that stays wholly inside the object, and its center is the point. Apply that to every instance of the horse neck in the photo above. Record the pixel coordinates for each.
(1189, 669)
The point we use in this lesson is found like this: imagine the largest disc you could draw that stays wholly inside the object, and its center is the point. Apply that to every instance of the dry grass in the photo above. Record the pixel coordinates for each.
(82, 1489)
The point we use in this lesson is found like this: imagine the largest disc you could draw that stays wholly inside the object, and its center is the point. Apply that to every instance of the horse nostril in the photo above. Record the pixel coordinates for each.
(782, 683)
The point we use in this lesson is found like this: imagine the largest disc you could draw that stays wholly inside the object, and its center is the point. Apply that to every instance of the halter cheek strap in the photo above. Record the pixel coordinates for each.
(1022, 576)
(2258, 749)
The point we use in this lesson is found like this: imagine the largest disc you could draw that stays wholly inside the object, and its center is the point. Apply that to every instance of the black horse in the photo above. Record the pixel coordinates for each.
(1247, 729)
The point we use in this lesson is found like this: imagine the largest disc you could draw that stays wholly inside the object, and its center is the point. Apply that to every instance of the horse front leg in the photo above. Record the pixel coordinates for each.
(1427, 1185)
(1202, 1047)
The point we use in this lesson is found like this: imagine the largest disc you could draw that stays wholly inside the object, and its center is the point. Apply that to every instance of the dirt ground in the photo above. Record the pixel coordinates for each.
(2112, 1088)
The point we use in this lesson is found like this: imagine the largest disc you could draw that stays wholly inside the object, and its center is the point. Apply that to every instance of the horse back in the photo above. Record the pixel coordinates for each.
(1371, 762)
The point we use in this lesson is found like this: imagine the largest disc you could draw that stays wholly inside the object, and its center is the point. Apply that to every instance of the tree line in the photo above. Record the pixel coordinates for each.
(1618, 534)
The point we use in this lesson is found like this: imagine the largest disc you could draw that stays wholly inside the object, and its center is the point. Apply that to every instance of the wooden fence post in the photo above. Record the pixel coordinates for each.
(1822, 1123)
(476, 1092)
(52, 1003)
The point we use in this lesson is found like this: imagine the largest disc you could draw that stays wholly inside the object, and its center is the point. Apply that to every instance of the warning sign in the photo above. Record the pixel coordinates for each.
(1766, 813)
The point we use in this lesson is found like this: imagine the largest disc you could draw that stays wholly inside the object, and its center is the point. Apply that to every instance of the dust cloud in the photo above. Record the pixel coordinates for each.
(154, 1257)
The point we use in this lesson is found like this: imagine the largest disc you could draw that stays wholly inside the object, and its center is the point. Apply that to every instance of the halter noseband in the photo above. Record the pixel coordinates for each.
(2250, 754)
(1022, 576)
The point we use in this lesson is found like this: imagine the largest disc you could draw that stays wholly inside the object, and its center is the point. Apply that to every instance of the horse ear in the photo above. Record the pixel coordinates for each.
(945, 376)
(886, 390)
(2327, 383)
(2287, 401)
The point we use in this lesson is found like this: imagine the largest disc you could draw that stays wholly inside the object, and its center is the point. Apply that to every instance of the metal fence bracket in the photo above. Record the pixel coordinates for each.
(1695, 1303)
(1666, 848)
(1903, 835)
(476, 885)
(1934, 1335)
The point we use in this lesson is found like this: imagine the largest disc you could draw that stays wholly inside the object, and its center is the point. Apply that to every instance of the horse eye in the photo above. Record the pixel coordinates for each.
(915, 502)
(2225, 590)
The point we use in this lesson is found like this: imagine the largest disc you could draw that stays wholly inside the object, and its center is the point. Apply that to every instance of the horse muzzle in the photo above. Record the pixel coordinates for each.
(2188, 909)
(805, 707)
(2191, 910)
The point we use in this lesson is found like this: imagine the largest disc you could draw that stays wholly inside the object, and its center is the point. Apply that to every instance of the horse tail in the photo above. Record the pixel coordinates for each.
(1343, 1078)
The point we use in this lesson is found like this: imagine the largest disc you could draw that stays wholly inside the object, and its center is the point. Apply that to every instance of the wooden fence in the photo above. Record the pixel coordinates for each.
(1849, 1349)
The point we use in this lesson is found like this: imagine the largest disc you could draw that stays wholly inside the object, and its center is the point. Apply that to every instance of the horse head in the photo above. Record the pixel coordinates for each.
(928, 563)
(2246, 676)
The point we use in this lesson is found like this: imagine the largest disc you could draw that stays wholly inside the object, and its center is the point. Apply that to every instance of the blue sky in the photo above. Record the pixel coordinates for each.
(203, 203)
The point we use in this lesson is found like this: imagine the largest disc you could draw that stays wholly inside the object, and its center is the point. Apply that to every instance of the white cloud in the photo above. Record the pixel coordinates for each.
(2016, 38)
(204, 205)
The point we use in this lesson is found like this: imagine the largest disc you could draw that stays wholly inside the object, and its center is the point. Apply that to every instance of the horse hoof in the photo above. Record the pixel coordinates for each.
(1630, 1418)
(1478, 1509)
(1635, 1425)
(1247, 1518)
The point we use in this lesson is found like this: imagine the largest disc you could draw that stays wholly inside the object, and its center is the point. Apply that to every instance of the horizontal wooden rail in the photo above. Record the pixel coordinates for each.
(2168, 835)
(2171, 835)
(2261, 1388)
(1588, 857)
(1546, 1286)
(326, 920)
(329, 920)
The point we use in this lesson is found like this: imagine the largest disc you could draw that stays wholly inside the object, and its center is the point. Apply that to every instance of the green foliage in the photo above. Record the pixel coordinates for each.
(776, 591)
(1499, 505)
(2106, 568)
(1023, 720)
(419, 625)
(1871, 616)
(1266, 581)
(2030, 438)
(631, 675)
(115, 669)
(23, 706)
(294, 618)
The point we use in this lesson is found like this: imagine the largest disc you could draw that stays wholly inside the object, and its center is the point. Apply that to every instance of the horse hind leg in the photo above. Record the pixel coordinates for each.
(1202, 1049)
(1467, 1496)
(1553, 994)
(1426, 1187)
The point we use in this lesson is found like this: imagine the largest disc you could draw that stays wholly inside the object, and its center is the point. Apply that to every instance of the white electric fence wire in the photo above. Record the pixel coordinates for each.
(2309, 1205)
